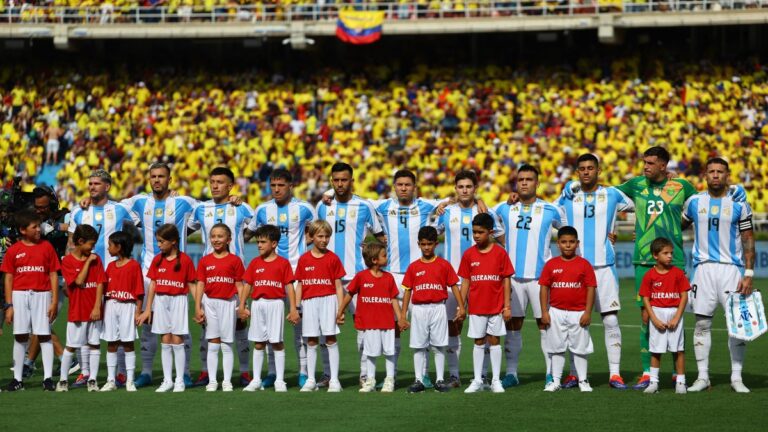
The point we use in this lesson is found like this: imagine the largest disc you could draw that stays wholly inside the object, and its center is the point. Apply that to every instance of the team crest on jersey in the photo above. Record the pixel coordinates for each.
(466, 220)
(342, 212)
(601, 198)
(294, 218)
(158, 212)
(109, 215)
(170, 212)
(657, 191)
(99, 216)
(283, 218)
(271, 220)
(726, 211)
(590, 198)
(352, 213)
(219, 212)
(537, 210)
(714, 210)
(526, 208)
(415, 211)
(231, 212)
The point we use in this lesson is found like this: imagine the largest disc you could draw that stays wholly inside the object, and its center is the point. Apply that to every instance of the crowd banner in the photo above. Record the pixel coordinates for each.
(359, 27)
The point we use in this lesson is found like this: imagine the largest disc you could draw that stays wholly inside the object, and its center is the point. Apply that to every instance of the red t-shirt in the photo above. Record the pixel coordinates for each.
(568, 282)
(373, 310)
(663, 290)
(268, 278)
(168, 281)
(486, 273)
(31, 266)
(429, 282)
(220, 275)
(318, 276)
(81, 299)
(126, 283)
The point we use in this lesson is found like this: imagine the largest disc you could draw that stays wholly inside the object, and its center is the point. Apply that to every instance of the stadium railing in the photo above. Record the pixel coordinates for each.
(106, 13)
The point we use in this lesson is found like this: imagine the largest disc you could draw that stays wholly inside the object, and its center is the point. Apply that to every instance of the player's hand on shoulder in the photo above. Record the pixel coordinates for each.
(235, 200)
(513, 198)
(85, 203)
(91, 258)
(481, 206)
(586, 319)
(737, 193)
(327, 197)
(173, 194)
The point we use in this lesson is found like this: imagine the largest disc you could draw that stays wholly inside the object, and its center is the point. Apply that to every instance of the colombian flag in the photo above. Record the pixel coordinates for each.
(359, 27)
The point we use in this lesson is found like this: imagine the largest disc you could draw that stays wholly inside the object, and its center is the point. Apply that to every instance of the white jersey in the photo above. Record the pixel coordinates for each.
(456, 223)
(107, 219)
(292, 219)
(208, 213)
(402, 224)
(718, 223)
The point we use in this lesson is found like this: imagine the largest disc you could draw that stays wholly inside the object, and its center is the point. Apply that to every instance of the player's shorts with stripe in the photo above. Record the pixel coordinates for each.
(119, 321)
(378, 342)
(30, 312)
(711, 284)
(319, 316)
(659, 341)
(482, 325)
(429, 326)
(84, 333)
(524, 292)
(607, 292)
(565, 333)
(171, 314)
(267, 320)
(220, 317)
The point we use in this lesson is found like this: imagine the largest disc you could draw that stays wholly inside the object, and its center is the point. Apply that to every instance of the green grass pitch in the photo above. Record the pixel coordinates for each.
(522, 408)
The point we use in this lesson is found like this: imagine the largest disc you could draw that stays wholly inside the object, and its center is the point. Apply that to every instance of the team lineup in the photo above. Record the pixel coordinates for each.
(315, 263)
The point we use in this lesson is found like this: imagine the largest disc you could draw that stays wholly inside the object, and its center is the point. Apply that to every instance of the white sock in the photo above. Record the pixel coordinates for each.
(93, 366)
(46, 349)
(186, 342)
(580, 361)
(130, 365)
(148, 350)
(513, 344)
(120, 360)
(547, 359)
(333, 360)
(311, 361)
(279, 365)
(558, 363)
(213, 361)
(439, 353)
(495, 354)
(166, 355)
(205, 349)
(573, 371)
(702, 344)
(425, 370)
(243, 346)
(324, 347)
(654, 375)
(478, 354)
(180, 360)
(419, 356)
(370, 365)
(66, 363)
(227, 362)
(258, 362)
(301, 349)
(613, 343)
(397, 353)
(737, 349)
(452, 355)
(389, 364)
(271, 367)
(680, 378)
(363, 359)
(111, 365)
(85, 359)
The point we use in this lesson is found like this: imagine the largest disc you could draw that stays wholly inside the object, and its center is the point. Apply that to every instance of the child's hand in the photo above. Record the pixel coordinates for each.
(658, 324)
(506, 314)
(340, 318)
(545, 320)
(96, 314)
(143, 318)
(91, 258)
(672, 324)
(53, 310)
(461, 314)
(9, 316)
(243, 313)
(293, 317)
(137, 318)
(199, 316)
(403, 324)
(585, 319)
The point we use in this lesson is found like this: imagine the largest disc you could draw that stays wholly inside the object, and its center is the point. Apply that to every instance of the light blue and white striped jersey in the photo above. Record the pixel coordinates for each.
(207, 214)
(717, 223)
(456, 223)
(529, 234)
(402, 224)
(292, 219)
(154, 213)
(107, 219)
(351, 221)
(593, 214)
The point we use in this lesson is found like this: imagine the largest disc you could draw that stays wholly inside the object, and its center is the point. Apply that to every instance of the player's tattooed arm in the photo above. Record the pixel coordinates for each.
(748, 245)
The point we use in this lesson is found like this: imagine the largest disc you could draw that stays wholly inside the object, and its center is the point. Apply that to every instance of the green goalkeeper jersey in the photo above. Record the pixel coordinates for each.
(659, 211)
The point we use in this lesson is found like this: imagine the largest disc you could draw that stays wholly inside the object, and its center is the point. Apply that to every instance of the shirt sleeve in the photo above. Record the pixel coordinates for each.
(545, 279)
(194, 222)
(98, 269)
(130, 214)
(239, 270)
(338, 271)
(645, 286)
(247, 276)
(73, 220)
(138, 280)
(201, 270)
(68, 272)
(682, 282)
(590, 280)
(152, 272)
(408, 276)
(628, 188)
(53, 259)
(506, 270)
(353, 286)
(190, 270)
(375, 222)
(393, 290)
(623, 202)
(287, 273)
(451, 278)
(687, 210)
(688, 189)
(498, 224)
(464, 267)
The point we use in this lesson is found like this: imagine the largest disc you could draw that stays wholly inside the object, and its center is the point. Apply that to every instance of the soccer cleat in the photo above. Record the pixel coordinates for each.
(552, 387)
(417, 387)
(212, 386)
(48, 385)
(368, 386)
(442, 387)
(269, 381)
(324, 381)
(700, 385)
(74, 366)
(643, 383)
(130, 386)
(303, 380)
(570, 382)
(14, 386)
(427, 381)
(187, 381)
(81, 381)
(548, 379)
(143, 380)
(166, 386)
(226, 386)
(202, 380)
(27, 371)
(739, 387)
(252, 386)
(617, 382)
(281, 387)
(474, 387)
(62, 386)
(93, 386)
(454, 381)
(389, 385)
(178, 386)
(363, 379)
(496, 386)
(510, 380)
(334, 386)
(109, 386)
(120, 380)
(680, 388)
(585, 387)
(245, 379)
(652, 387)
(310, 385)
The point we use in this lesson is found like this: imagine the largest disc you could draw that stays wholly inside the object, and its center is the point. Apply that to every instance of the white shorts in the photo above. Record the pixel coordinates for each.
(378, 342)
(267, 320)
(607, 292)
(171, 315)
(30, 312)
(482, 325)
(564, 333)
(52, 146)
(319, 316)
(119, 321)
(84, 333)
(711, 283)
(525, 291)
(661, 342)
(429, 326)
(220, 317)
(399, 284)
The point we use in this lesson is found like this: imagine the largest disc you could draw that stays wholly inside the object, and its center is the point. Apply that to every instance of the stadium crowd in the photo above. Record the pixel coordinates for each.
(435, 121)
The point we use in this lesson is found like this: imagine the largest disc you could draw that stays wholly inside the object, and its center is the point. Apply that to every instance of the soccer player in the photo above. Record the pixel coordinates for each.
(567, 296)
(376, 312)
(84, 277)
(529, 232)
(664, 291)
(592, 211)
(485, 270)
(124, 294)
(723, 259)
(269, 279)
(319, 291)
(172, 276)
(456, 223)
(31, 295)
(426, 284)
(219, 282)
